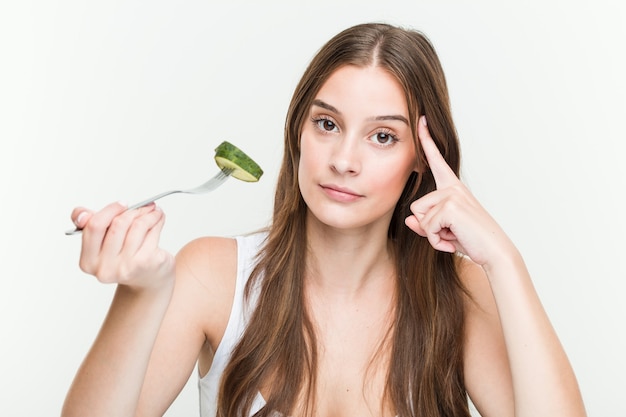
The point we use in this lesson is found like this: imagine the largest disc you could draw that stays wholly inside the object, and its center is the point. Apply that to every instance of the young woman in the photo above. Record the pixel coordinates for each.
(381, 288)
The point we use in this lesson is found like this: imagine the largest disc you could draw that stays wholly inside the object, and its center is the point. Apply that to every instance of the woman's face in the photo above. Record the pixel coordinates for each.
(357, 150)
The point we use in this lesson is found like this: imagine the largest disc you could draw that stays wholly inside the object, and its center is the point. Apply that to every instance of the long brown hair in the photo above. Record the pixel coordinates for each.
(425, 375)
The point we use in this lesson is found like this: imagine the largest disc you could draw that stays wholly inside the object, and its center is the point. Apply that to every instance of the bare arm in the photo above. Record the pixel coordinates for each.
(111, 376)
(156, 325)
(121, 247)
(197, 317)
(515, 363)
(543, 380)
(486, 364)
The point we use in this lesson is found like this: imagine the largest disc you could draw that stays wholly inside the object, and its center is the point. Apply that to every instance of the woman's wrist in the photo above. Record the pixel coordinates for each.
(508, 261)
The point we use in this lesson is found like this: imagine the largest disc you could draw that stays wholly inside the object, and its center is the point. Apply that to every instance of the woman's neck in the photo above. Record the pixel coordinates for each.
(347, 262)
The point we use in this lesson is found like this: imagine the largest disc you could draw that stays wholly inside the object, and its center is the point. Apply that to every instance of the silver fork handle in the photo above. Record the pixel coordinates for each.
(134, 206)
(152, 199)
(210, 185)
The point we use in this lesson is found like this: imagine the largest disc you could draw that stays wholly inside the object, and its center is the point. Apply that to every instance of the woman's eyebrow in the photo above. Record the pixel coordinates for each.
(333, 109)
(326, 106)
(390, 117)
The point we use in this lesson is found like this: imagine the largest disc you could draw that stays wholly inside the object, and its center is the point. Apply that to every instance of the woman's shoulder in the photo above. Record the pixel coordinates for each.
(212, 257)
(206, 272)
(208, 258)
(207, 269)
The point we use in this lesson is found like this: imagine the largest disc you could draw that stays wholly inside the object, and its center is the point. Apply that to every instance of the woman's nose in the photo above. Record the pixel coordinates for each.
(345, 157)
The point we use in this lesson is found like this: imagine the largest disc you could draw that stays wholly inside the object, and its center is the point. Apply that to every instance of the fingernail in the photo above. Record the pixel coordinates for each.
(79, 218)
(424, 121)
(122, 203)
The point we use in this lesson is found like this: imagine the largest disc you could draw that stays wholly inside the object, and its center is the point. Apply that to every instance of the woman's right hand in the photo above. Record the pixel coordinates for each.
(122, 246)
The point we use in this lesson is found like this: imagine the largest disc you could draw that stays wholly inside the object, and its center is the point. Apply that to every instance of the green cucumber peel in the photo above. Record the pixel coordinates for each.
(230, 157)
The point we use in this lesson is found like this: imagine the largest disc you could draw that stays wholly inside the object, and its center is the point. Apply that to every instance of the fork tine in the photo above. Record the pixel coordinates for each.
(211, 184)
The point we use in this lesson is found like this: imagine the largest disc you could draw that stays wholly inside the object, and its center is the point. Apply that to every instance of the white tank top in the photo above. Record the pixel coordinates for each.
(247, 249)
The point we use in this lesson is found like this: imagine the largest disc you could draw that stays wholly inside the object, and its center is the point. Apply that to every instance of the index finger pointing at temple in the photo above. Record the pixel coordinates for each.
(443, 174)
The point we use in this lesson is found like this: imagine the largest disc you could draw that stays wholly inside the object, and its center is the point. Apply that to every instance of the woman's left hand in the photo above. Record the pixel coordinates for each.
(450, 217)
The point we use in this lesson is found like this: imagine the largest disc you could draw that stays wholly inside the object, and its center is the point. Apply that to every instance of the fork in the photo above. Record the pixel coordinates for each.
(210, 185)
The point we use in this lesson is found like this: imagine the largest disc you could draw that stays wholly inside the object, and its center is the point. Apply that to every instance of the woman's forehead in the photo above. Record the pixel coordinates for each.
(370, 89)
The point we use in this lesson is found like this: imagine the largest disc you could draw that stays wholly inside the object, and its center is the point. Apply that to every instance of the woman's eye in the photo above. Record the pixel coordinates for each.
(383, 138)
(326, 125)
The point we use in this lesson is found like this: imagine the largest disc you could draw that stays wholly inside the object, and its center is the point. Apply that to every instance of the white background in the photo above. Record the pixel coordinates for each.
(119, 100)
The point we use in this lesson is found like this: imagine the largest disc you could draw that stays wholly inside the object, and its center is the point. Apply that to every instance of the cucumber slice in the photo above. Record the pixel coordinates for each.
(228, 156)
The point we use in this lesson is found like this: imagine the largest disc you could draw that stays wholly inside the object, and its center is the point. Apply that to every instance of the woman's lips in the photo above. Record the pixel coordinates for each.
(341, 194)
